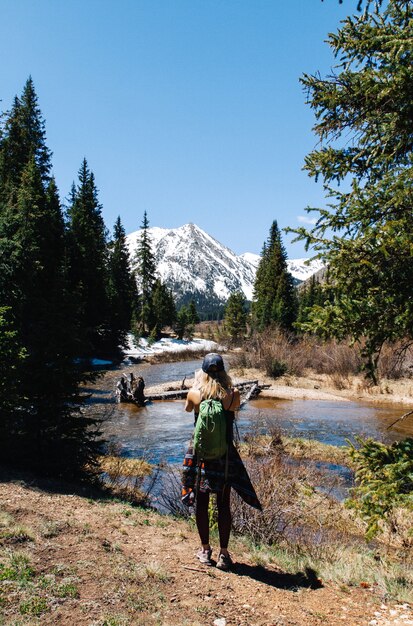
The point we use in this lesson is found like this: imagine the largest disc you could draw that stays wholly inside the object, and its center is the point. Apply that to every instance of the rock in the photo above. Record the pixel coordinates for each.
(221, 621)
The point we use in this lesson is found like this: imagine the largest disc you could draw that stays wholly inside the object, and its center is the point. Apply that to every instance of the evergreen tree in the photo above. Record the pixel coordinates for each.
(184, 327)
(146, 275)
(24, 138)
(12, 355)
(364, 125)
(193, 313)
(235, 316)
(274, 300)
(40, 426)
(313, 293)
(122, 286)
(88, 264)
(184, 324)
(163, 307)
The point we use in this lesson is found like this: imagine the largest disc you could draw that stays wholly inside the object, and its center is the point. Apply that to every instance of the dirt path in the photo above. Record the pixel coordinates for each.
(108, 564)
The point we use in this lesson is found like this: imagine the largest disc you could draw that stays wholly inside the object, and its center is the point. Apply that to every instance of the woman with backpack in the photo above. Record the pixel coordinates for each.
(212, 463)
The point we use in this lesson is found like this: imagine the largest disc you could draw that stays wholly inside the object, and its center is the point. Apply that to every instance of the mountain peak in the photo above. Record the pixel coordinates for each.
(195, 265)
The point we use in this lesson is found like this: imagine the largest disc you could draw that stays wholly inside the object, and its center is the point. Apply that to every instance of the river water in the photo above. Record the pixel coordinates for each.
(161, 430)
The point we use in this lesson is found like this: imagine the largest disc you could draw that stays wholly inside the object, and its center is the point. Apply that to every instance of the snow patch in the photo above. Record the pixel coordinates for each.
(166, 344)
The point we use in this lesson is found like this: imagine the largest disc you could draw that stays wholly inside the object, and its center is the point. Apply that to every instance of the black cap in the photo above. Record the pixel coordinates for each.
(213, 363)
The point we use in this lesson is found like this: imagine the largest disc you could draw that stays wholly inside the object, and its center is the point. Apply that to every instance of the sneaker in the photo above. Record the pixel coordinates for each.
(204, 556)
(224, 562)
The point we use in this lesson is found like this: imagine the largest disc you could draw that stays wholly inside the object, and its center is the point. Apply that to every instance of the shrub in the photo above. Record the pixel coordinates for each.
(384, 482)
(276, 368)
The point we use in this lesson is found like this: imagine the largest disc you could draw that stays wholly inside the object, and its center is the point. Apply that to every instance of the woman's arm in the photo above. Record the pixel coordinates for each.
(232, 401)
(193, 400)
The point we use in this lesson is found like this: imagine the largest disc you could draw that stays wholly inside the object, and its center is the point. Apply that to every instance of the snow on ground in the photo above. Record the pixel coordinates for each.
(167, 345)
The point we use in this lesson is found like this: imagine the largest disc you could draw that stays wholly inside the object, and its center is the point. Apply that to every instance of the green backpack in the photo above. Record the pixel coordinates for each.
(210, 434)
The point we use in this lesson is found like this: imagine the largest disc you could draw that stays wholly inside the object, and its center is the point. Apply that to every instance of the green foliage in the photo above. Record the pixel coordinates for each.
(18, 569)
(155, 303)
(276, 368)
(34, 606)
(274, 301)
(41, 425)
(146, 276)
(88, 263)
(122, 286)
(12, 355)
(363, 122)
(163, 307)
(309, 295)
(235, 315)
(384, 479)
(23, 139)
(193, 313)
(184, 326)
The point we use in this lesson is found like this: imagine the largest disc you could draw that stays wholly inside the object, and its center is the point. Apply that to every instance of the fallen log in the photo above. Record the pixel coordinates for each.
(168, 395)
(178, 394)
(252, 393)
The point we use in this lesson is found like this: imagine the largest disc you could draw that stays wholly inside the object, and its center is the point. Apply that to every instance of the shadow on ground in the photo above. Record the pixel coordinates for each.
(281, 580)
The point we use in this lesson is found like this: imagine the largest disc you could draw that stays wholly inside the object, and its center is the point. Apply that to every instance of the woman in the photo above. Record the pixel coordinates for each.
(200, 478)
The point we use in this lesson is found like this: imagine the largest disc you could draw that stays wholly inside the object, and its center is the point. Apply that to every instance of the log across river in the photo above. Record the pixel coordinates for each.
(248, 387)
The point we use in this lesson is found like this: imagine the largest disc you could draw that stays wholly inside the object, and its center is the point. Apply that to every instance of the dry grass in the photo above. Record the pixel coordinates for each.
(396, 360)
(295, 447)
(303, 527)
(279, 353)
(297, 506)
(125, 477)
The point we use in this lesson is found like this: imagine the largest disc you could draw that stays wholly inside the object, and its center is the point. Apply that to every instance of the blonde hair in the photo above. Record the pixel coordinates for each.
(212, 387)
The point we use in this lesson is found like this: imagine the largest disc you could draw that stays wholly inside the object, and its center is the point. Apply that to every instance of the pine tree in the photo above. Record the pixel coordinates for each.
(122, 286)
(274, 300)
(193, 313)
(184, 328)
(235, 316)
(163, 307)
(88, 258)
(309, 295)
(24, 138)
(364, 158)
(12, 355)
(146, 275)
(42, 429)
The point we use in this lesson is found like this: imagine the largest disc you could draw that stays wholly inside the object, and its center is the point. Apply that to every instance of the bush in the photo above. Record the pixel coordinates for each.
(384, 482)
(276, 368)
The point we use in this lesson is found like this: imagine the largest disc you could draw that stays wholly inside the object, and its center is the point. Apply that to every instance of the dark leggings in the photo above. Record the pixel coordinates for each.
(224, 516)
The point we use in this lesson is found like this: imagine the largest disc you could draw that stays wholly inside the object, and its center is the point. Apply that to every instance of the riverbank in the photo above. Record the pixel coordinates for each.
(67, 559)
(315, 387)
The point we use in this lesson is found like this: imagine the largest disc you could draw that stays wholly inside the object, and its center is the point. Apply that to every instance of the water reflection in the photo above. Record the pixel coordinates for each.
(329, 422)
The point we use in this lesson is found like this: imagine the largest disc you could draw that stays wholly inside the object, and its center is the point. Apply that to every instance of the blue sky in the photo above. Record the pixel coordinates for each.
(189, 109)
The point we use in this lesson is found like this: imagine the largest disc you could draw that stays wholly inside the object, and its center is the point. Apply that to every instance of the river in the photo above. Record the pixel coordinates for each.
(160, 430)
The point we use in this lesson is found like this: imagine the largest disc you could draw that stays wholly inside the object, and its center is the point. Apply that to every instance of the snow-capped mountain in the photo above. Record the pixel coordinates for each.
(303, 269)
(300, 269)
(195, 265)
